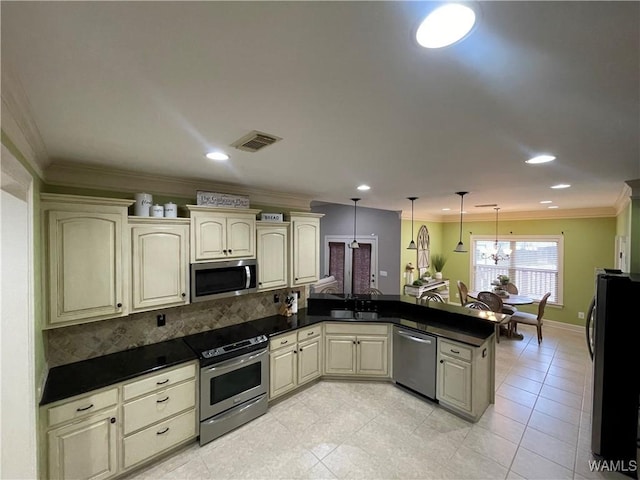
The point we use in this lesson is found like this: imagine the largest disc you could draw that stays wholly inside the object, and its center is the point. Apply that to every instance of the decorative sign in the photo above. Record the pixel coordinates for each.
(213, 199)
(271, 217)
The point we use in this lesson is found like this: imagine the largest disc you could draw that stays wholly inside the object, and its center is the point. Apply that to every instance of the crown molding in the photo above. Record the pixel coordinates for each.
(624, 197)
(423, 218)
(71, 174)
(634, 186)
(597, 212)
(18, 123)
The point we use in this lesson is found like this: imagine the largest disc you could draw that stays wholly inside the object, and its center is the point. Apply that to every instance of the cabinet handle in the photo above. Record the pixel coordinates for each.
(295, 351)
(163, 431)
(162, 382)
(112, 419)
(184, 294)
(119, 305)
(224, 251)
(454, 351)
(259, 283)
(284, 342)
(163, 400)
(310, 333)
(296, 279)
(358, 342)
(300, 348)
(230, 251)
(441, 361)
(84, 409)
(354, 342)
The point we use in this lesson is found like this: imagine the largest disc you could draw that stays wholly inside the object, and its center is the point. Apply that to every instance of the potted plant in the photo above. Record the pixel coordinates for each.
(437, 261)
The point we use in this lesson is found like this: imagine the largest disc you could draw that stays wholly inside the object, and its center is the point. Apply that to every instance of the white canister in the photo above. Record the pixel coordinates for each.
(170, 210)
(157, 211)
(143, 204)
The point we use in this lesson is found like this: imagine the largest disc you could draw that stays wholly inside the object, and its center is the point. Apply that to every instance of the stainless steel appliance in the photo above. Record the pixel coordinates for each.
(234, 378)
(223, 279)
(613, 329)
(414, 361)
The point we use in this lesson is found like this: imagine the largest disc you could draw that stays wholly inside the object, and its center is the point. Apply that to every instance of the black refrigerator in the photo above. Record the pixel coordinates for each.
(613, 338)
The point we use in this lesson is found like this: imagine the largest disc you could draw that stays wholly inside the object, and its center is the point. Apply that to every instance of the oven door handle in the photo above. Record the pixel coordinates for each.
(248, 272)
(234, 363)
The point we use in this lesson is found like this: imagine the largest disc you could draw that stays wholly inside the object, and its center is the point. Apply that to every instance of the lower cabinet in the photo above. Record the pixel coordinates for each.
(361, 349)
(104, 433)
(464, 377)
(294, 359)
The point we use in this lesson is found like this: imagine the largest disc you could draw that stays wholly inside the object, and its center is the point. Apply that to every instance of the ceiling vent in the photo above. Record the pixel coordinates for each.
(255, 141)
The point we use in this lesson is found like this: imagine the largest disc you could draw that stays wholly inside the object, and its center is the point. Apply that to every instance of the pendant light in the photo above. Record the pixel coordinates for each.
(497, 254)
(460, 247)
(354, 244)
(412, 244)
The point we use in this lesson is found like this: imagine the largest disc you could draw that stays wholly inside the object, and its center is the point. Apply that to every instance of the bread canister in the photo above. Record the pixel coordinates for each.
(170, 210)
(143, 204)
(157, 211)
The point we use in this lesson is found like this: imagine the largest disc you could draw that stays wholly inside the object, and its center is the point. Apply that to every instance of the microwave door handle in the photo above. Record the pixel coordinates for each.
(248, 272)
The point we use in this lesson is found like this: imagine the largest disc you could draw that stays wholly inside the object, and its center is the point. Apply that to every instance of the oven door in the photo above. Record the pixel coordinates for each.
(232, 382)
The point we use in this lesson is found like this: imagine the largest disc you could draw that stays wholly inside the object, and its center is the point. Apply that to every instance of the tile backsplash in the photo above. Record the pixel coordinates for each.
(80, 342)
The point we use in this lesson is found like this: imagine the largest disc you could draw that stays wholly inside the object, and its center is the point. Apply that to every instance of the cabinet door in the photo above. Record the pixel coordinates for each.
(372, 355)
(340, 354)
(306, 251)
(241, 236)
(84, 450)
(454, 382)
(309, 360)
(283, 370)
(85, 266)
(160, 263)
(209, 237)
(272, 258)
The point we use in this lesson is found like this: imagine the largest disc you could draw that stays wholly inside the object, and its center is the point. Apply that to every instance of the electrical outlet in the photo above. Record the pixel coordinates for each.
(297, 292)
(581, 315)
(162, 320)
(276, 298)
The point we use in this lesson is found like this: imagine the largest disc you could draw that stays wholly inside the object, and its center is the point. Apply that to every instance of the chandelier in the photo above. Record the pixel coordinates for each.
(497, 254)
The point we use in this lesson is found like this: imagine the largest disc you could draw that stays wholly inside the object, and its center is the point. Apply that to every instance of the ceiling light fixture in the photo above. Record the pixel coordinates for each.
(540, 159)
(412, 244)
(496, 254)
(354, 244)
(561, 185)
(552, 206)
(546, 201)
(217, 156)
(364, 188)
(446, 209)
(445, 26)
(460, 247)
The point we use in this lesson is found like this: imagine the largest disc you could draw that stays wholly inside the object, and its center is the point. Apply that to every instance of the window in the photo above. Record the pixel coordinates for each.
(535, 264)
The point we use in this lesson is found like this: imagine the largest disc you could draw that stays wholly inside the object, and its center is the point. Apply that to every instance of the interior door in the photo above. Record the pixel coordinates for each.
(353, 268)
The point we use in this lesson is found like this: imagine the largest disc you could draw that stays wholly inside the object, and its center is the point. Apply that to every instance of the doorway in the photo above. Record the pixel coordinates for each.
(353, 268)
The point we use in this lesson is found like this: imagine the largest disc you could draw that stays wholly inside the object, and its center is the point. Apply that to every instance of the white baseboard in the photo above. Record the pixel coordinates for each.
(565, 326)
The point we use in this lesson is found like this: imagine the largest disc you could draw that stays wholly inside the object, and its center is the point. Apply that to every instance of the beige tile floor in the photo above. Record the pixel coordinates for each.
(539, 428)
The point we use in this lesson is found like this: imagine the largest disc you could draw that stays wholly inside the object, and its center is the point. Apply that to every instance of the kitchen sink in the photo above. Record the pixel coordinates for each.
(366, 315)
(342, 314)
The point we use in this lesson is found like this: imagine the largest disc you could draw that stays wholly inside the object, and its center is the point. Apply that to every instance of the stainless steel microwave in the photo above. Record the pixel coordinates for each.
(213, 280)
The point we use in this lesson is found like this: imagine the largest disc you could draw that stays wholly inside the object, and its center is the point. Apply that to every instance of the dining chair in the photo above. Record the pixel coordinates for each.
(428, 296)
(477, 305)
(496, 305)
(464, 292)
(511, 288)
(372, 291)
(530, 318)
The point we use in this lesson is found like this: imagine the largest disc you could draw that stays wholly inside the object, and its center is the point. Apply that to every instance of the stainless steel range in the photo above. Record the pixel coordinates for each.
(234, 378)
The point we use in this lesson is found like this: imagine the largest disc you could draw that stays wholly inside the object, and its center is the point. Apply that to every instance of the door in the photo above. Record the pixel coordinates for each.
(309, 360)
(209, 237)
(84, 450)
(454, 382)
(306, 248)
(241, 236)
(372, 355)
(272, 257)
(283, 370)
(621, 253)
(85, 266)
(340, 354)
(160, 261)
(353, 268)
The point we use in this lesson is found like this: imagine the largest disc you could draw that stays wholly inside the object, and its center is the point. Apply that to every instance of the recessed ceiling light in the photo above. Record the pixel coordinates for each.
(364, 187)
(445, 25)
(546, 201)
(446, 209)
(540, 159)
(217, 156)
(552, 206)
(561, 185)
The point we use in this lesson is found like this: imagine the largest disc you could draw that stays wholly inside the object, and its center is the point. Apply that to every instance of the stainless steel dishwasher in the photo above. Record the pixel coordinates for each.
(414, 361)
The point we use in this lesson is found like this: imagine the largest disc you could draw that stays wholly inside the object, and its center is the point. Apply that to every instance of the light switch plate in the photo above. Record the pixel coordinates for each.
(383, 273)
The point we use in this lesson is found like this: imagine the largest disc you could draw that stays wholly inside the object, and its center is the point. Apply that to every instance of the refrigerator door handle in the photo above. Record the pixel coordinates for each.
(589, 326)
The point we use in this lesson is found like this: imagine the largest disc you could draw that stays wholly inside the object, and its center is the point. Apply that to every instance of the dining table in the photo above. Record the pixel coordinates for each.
(512, 299)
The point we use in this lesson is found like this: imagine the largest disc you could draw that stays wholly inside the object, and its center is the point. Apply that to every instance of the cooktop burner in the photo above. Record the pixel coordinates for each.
(228, 342)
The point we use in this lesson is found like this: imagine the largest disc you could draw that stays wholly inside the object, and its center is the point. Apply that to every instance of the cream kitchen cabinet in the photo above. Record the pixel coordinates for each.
(464, 377)
(357, 349)
(222, 233)
(272, 254)
(87, 258)
(305, 248)
(159, 263)
(295, 359)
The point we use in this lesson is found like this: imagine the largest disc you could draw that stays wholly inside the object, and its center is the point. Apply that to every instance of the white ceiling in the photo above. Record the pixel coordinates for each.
(152, 86)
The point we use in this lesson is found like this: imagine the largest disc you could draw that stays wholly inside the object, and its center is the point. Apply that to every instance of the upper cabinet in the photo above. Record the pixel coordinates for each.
(222, 233)
(87, 256)
(159, 262)
(272, 244)
(305, 248)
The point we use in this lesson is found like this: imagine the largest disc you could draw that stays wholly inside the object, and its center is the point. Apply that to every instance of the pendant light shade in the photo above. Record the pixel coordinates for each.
(412, 244)
(354, 244)
(460, 247)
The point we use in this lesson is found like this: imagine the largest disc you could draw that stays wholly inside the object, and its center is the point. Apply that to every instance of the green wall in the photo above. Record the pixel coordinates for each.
(406, 256)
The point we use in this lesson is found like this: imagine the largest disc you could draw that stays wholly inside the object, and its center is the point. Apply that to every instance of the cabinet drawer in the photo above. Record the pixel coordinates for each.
(163, 436)
(283, 340)
(356, 329)
(163, 379)
(82, 407)
(158, 406)
(309, 333)
(456, 350)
